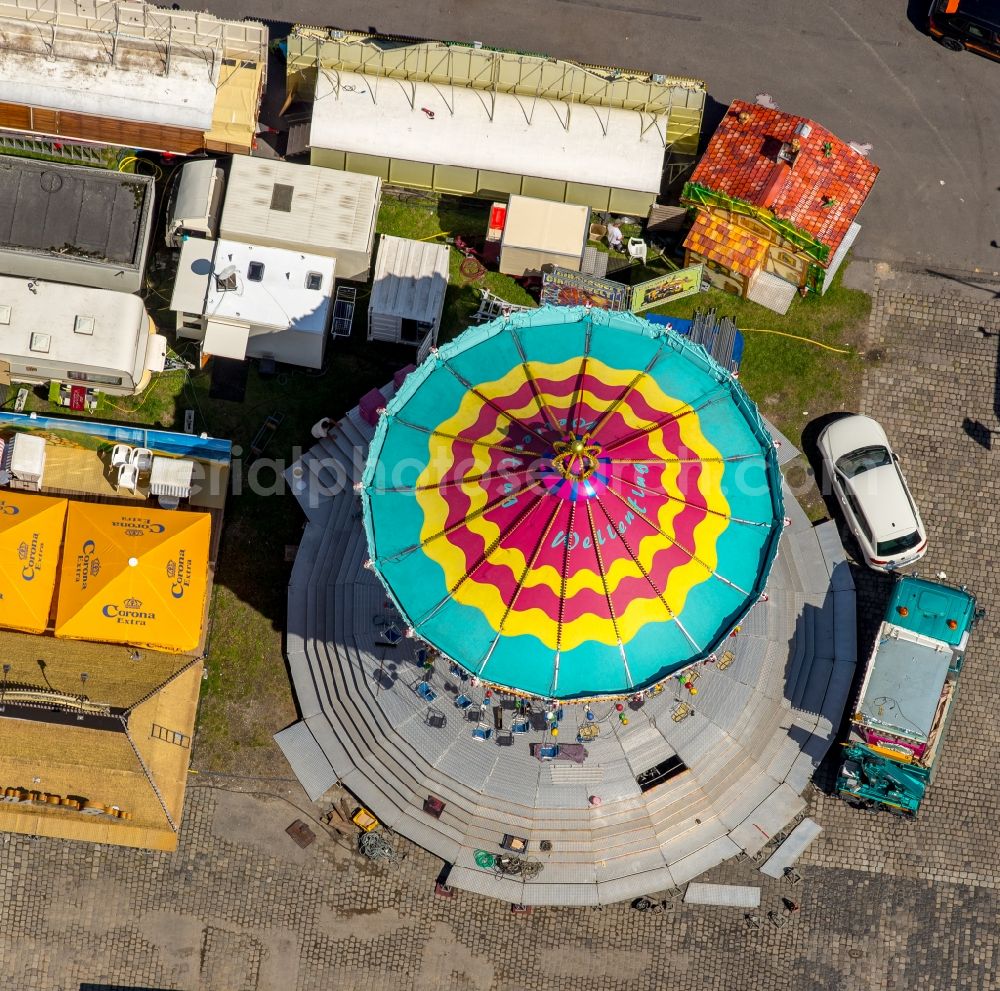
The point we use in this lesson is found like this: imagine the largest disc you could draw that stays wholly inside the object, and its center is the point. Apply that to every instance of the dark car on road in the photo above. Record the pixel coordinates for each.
(967, 24)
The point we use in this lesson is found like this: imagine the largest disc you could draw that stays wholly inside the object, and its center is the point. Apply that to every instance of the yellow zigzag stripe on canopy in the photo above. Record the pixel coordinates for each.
(534, 621)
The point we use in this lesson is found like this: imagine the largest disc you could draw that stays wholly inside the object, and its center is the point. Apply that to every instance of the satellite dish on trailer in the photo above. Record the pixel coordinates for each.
(225, 279)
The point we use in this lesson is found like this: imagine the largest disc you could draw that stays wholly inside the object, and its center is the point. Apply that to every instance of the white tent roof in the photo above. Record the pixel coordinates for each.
(546, 226)
(133, 88)
(599, 146)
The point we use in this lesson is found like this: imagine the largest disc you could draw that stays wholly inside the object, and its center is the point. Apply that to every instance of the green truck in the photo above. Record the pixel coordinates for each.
(907, 696)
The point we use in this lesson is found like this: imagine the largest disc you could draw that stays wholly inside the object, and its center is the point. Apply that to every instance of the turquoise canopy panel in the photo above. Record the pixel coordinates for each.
(572, 503)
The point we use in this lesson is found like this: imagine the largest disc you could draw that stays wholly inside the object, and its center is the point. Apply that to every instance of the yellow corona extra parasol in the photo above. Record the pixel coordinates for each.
(134, 575)
(31, 529)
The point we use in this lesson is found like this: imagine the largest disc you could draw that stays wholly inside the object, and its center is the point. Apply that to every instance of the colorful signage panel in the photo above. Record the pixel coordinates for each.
(564, 287)
(664, 288)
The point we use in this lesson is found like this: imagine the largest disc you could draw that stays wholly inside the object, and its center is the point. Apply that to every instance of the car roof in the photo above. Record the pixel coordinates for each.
(886, 505)
(987, 11)
(851, 432)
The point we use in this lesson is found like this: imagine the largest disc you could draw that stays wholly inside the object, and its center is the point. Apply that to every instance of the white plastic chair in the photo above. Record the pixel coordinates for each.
(142, 458)
(637, 249)
(120, 455)
(128, 477)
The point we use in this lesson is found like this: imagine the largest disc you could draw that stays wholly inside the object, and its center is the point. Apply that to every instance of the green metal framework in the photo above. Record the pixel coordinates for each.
(694, 194)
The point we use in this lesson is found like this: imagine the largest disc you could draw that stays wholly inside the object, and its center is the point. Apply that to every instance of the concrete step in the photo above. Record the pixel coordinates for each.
(744, 797)
(815, 689)
(365, 431)
(799, 675)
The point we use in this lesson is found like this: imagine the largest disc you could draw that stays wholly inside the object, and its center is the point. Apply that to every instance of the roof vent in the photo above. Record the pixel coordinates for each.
(803, 130)
(281, 197)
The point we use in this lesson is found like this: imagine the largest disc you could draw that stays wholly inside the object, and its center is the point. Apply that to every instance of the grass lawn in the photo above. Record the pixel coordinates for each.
(247, 696)
(794, 381)
(424, 217)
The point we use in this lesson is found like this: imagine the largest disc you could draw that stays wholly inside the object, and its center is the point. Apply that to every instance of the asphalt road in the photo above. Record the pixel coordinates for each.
(862, 69)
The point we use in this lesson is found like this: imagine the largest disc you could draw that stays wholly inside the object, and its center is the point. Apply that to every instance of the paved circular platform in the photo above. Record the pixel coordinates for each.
(684, 780)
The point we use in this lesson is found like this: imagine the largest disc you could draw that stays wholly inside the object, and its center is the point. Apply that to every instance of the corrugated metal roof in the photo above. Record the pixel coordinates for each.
(410, 279)
(319, 210)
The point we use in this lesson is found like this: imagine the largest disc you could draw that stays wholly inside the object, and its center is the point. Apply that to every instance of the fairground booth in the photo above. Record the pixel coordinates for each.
(103, 613)
(775, 200)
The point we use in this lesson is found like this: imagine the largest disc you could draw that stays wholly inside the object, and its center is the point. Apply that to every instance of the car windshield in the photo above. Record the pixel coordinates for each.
(888, 548)
(864, 459)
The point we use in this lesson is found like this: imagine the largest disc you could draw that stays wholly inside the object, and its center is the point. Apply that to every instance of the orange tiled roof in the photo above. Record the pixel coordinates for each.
(821, 193)
(731, 246)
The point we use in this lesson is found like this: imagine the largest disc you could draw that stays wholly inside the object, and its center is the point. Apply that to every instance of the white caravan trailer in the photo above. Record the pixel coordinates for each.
(78, 335)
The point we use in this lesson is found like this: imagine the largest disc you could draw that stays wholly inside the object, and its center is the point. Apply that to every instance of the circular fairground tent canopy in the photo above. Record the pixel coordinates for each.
(572, 503)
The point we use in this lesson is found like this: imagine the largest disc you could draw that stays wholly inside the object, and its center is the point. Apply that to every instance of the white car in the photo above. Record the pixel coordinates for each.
(861, 468)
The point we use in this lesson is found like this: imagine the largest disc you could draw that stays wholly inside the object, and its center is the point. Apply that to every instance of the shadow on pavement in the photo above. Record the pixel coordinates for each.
(994, 293)
(810, 435)
(916, 14)
(117, 987)
(978, 432)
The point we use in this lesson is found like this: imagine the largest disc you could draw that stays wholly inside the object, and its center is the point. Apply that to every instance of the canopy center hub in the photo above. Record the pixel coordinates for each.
(576, 458)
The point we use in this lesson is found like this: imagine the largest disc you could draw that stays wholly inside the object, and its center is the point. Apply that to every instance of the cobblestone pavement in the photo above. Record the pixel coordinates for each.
(884, 904)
